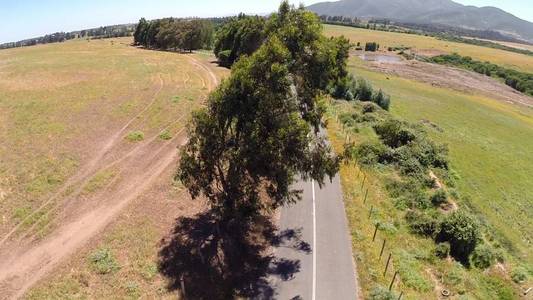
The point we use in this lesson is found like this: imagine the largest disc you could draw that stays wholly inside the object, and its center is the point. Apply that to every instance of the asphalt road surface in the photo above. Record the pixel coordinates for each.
(323, 256)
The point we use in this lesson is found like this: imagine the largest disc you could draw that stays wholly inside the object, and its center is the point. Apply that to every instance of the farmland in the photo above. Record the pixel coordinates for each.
(89, 128)
(488, 141)
(431, 45)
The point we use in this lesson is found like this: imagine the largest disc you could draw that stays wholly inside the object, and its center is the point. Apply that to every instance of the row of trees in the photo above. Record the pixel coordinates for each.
(58, 37)
(520, 81)
(171, 33)
(242, 35)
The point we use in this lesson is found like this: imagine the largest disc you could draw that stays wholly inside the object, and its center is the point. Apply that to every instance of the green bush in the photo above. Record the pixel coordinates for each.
(135, 136)
(381, 293)
(394, 133)
(442, 250)
(482, 257)
(165, 135)
(103, 262)
(422, 223)
(439, 197)
(372, 46)
(519, 275)
(371, 153)
(462, 231)
(224, 58)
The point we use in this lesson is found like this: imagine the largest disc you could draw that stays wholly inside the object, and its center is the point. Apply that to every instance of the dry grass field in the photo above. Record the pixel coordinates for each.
(89, 133)
(431, 45)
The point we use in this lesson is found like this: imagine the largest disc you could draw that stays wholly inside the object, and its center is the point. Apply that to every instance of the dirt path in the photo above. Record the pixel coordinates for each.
(25, 261)
(453, 78)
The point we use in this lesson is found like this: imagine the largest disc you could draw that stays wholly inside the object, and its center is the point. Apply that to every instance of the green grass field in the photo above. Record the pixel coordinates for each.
(392, 39)
(490, 146)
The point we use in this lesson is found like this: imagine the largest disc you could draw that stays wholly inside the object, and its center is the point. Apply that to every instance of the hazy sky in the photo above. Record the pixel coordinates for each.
(22, 19)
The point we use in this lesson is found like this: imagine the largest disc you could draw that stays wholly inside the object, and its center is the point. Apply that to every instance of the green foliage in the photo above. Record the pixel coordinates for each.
(372, 46)
(237, 37)
(519, 81)
(135, 136)
(381, 293)
(173, 33)
(411, 272)
(259, 128)
(381, 99)
(394, 133)
(499, 288)
(519, 275)
(482, 257)
(442, 250)
(462, 231)
(439, 197)
(165, 135)
(423, 223)
(103, 262)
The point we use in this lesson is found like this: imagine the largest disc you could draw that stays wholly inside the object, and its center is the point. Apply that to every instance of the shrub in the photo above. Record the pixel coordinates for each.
(439, 197)
(462, 231)
(442, 250)
(369, 108)
(224, 58)
(165, 135)
(519, 275)
(394, 133)
(363, 90)
(371, 153)
(482, 257)
(135, 136)
(103, 261)
(425, 224)
(372, 46)
(381, 99)
(381, 293)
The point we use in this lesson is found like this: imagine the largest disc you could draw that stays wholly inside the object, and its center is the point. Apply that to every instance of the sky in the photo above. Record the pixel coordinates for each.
(21, 19)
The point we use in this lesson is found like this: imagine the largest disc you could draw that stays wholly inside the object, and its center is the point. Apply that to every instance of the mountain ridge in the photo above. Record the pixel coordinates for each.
(444, 12)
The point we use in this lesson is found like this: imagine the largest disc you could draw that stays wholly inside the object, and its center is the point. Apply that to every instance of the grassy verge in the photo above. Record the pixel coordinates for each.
(421, 274)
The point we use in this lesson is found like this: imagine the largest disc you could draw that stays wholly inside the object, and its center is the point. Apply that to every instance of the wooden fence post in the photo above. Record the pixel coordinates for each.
(375, 232)
(387, 265)
(393, 279)
(382, 248)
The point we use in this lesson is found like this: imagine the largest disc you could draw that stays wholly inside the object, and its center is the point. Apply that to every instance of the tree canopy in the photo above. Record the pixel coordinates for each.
(173, 33)
(261, 126)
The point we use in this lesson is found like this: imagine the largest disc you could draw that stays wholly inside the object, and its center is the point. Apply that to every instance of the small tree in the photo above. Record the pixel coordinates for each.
(462, 231)
(483, 257)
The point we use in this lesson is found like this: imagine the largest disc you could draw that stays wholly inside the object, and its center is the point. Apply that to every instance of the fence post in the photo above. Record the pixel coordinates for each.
(382, 248)
(366, 194)
(363, 184)
(375, 232)
(371, 211)
(392, 281)
(401, 294)
(387, 265)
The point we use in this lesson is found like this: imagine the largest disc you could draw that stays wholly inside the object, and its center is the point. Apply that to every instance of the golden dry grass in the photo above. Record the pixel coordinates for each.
(391, 39)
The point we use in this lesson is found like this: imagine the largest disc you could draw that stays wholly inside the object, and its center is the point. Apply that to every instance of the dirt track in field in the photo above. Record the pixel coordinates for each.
(24, 260)
(453, 78)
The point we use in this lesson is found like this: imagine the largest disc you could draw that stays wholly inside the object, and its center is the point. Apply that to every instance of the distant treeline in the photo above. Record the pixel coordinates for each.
(484, 44)
(58, 37)
(174, 34)
(519, 81)
(439, 29)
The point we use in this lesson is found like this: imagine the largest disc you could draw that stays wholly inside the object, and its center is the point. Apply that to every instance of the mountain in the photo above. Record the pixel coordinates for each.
(445, 12)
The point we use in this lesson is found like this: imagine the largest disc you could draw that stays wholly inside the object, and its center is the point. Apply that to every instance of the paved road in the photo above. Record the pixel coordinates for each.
(326, 268)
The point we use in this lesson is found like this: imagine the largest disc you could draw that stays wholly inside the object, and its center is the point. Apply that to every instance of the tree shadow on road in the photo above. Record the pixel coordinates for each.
(202, 261)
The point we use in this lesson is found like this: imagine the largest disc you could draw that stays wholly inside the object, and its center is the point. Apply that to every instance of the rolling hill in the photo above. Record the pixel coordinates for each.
(445, 12)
